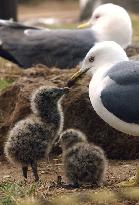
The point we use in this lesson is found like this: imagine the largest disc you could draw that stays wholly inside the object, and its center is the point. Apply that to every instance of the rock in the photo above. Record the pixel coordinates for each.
(135, 58)
(14, 103)
(87, 6)
(132, 50)
(86, 9)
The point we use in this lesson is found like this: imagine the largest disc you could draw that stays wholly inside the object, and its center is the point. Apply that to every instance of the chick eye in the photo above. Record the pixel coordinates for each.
(51, 93)
(91, 59)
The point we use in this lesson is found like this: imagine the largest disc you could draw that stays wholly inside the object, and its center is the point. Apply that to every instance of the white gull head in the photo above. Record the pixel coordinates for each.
(103, 55)
(111, 22)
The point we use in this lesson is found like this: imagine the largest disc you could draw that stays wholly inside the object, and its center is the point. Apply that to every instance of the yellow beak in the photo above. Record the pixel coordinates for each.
(76, 76)
(85, 25)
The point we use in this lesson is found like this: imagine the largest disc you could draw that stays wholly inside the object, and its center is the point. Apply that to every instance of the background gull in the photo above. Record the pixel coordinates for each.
(63, 48)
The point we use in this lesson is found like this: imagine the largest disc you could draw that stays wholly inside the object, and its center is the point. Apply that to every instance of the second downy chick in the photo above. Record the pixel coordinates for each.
(84, 163)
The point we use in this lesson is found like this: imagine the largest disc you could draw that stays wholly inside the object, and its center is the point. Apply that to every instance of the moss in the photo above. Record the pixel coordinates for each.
(4, 83)
(135, 21)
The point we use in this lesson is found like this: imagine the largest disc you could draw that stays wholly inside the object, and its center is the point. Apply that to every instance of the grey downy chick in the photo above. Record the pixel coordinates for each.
(84, 163)
(31, 139)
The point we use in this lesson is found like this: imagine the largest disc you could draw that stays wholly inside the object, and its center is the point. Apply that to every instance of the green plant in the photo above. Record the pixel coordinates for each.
(4, 83)
(11, 192)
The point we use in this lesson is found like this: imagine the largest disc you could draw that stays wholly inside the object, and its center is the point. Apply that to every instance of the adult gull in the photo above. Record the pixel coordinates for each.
(63, 48)
(114, 87)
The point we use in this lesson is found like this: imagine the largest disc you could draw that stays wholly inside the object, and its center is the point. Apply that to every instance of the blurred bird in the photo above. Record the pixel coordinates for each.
(63, 48)
(87, 7)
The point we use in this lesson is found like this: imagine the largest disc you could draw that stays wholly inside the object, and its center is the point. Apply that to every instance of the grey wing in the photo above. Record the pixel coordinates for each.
(60, 48)
(126, 72)
(12, 40)
(121, 97)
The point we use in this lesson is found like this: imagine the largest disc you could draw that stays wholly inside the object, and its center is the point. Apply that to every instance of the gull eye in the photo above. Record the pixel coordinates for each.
(91, 59)
(97, 16)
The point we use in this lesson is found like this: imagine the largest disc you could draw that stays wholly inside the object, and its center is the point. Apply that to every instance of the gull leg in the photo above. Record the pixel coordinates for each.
(137, 176)
(134, 181)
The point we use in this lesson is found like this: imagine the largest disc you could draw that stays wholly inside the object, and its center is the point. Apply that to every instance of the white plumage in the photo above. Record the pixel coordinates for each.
(114, 87)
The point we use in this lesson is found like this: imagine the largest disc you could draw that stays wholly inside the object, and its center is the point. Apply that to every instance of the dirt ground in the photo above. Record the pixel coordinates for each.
(117, 170)
(48, 172)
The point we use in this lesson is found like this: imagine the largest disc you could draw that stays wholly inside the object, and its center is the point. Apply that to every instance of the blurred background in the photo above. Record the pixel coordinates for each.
(61, 13)
(70, 10)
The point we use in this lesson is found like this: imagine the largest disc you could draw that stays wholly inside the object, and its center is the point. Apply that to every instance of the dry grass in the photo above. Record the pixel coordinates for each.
(13, 189)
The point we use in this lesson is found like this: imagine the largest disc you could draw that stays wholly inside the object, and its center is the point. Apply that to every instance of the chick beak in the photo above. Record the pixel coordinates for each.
(85, 25)
(76, 76)
(66, 90)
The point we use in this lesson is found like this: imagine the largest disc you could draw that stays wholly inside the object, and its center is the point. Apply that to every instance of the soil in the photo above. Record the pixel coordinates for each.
(48, 172)
(117, 171)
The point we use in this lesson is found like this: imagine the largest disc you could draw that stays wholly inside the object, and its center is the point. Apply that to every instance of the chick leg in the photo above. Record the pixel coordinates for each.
(25, 170)
(34, 170)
